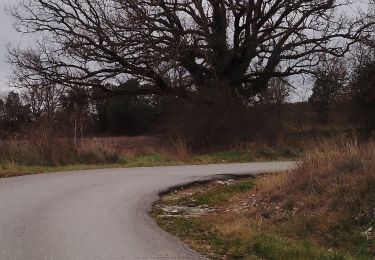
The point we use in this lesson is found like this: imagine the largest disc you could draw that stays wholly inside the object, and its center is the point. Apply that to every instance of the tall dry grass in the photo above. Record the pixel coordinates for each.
(330, 198)
(44, 148)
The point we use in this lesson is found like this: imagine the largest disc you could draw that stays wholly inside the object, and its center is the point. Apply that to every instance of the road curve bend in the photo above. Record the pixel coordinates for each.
(98, 214)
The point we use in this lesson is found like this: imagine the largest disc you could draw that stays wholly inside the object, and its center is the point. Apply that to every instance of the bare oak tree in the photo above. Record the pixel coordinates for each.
(179, 47)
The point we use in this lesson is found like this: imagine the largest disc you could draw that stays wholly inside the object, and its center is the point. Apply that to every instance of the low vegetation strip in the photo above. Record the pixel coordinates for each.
(51, 155)
(323, 210)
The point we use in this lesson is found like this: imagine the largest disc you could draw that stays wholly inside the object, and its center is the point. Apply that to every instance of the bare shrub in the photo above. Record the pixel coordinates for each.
(178, 147)
(44, 144)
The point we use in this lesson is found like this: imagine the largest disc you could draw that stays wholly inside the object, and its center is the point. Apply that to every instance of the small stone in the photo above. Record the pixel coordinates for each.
(367, 233)
(220, 182)
(229, 182)
(186, 211)
(174, 211)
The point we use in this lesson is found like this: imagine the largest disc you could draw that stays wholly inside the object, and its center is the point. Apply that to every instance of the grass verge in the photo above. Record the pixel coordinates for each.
(101, 158)
(323, 210)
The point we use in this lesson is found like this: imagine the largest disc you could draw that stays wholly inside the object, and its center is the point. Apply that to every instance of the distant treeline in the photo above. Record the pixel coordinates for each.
(120, 115)
(338, 95)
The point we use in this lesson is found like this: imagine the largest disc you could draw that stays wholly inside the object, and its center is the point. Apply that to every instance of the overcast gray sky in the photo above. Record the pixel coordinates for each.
(7, 35)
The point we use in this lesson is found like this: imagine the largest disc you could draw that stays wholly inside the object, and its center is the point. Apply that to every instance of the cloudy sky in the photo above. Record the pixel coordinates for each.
(7, 35)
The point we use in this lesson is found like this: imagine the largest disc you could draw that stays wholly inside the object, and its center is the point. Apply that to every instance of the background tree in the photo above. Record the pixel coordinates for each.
(13, 113)
(43, 100)
(270, 109)
(124, 115)
(277, 93)
(363, 93)
(77, 112)
(328, 86)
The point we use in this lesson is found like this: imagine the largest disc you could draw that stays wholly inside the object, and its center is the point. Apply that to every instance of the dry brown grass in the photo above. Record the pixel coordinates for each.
(326, 169)
(126, 145)
(39, 150)
(330, 199)
(43, 148)
(321, 210)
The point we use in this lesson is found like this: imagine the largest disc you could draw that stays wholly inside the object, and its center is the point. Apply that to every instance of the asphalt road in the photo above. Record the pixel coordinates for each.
(97, 214)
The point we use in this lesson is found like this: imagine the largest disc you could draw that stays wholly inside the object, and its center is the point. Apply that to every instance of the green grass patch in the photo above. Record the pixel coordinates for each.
(99, 159)
(223, 157)
(150, 159)
(248, 156)
(10, 170)
(202, 236)
(217, 195)
(274, 247)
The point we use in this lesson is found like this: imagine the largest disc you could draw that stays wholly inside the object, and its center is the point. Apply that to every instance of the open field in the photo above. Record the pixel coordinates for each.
(35, 156)
(323, 210)
(45, 149)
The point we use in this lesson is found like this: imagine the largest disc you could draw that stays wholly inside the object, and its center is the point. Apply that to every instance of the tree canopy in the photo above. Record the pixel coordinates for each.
(173, 47)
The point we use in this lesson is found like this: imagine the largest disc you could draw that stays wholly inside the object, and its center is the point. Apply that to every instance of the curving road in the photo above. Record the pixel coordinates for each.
(97, 214)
